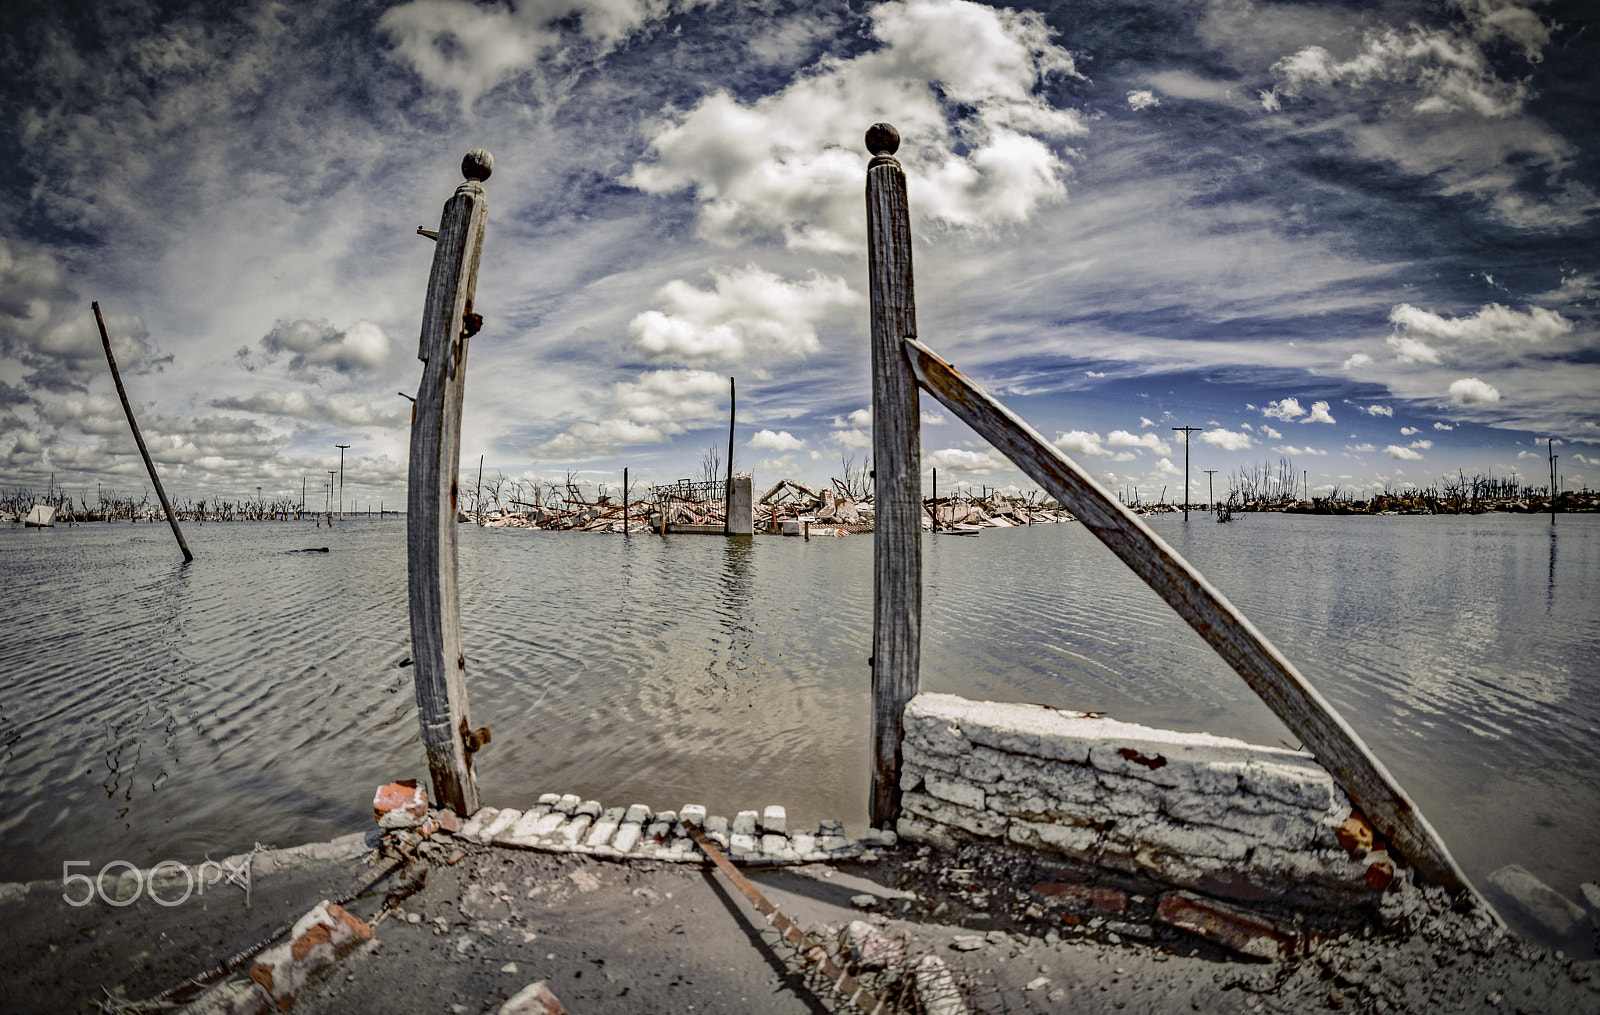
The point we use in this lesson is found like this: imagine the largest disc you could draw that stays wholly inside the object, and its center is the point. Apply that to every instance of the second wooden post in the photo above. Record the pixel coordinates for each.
(897, 470)
(431, 502)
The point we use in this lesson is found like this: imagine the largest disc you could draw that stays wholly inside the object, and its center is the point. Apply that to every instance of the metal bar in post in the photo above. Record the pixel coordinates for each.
(448, 322)
(1268, 672)
(896, 470)
(138, 438)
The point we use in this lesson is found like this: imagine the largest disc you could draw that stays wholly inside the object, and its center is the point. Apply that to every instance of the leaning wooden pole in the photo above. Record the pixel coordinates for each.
(1306, 713)
(897, 470)
(138, 437)
(431, 501)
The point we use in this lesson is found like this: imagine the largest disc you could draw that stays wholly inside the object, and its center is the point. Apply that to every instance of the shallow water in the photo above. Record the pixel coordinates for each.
(153, 710)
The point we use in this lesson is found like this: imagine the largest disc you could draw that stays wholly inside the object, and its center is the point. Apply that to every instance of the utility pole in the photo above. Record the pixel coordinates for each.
(341, 448)
(1211, 493)
(331, 474)
(1186, 430)
(477, 495)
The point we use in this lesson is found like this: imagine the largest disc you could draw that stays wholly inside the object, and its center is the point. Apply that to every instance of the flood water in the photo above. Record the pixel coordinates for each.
(153, 710)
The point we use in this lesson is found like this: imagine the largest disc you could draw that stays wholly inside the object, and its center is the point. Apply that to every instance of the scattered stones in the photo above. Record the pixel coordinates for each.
(967, 942)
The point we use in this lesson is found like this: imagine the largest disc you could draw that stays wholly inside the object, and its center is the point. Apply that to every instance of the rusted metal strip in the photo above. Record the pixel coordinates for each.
(809, 947)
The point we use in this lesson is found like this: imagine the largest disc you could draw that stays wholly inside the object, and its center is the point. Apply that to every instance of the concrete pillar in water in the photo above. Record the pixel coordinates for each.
(741, 506)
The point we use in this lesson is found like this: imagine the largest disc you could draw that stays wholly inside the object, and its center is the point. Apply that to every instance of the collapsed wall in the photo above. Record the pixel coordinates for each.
(1215, 814)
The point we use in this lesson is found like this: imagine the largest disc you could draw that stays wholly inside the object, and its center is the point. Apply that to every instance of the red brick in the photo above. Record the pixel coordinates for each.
(1080, 897)
(400, 805)
(1230, 926)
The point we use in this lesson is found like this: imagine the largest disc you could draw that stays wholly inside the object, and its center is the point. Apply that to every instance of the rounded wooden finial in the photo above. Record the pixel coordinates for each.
(883, 139)
(477, 165)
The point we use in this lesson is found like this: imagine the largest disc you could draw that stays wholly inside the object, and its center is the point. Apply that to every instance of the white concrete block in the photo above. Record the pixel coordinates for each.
(692, 814)
(955, 791)
(627, 837)
(502, 821)
(638, 814)
(568, 804)
(745, 823)
(775, 819)
(774, 843)
(473, 826)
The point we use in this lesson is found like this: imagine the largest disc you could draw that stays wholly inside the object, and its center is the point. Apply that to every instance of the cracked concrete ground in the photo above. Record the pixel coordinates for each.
(645, 937)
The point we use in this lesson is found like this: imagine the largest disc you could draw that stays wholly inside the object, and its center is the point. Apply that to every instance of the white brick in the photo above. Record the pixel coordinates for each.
(978, 822)
(744, 823)
(474, 825)
(955, 791)
(638, 814)
(627, 838)
(502, 821)
(775, 819)
(692, 814)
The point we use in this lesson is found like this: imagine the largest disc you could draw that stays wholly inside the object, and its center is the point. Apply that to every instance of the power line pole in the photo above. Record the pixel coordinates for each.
(341, 448)
(1211, 493)
(331, 474)
(1186, 430)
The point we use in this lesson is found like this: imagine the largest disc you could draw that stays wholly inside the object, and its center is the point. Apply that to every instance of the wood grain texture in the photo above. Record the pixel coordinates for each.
(897, 468)
(1307, 714)
(138, 438)
(439, 664)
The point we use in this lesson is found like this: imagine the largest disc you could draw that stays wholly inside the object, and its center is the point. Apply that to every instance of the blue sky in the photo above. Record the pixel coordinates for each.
(1360, 236)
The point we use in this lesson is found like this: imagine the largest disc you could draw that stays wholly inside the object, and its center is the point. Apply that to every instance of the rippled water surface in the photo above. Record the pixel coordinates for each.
(153, 710)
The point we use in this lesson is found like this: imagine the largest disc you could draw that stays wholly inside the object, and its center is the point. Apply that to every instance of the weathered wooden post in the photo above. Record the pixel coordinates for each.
(138, 437)
(431, 502)
(727, 487)
(897, 470)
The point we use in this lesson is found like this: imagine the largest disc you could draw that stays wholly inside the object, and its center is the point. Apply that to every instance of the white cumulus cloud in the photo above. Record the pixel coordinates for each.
(779, 441)
(789, 164)
(1285, 409)
(1142, 98)
(1471, 391)
(1228, 440)
(1403, 454)
(747, 313)
(1319, 414)
(1147, 441)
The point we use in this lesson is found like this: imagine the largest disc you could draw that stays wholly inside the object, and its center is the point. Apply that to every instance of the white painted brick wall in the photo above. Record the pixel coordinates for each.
(1191, 809)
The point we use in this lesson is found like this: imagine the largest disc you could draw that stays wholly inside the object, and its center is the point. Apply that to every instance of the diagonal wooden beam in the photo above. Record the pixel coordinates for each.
(1268, 672)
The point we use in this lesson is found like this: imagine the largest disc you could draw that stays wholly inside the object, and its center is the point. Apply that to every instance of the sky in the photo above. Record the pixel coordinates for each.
(1359, 236)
